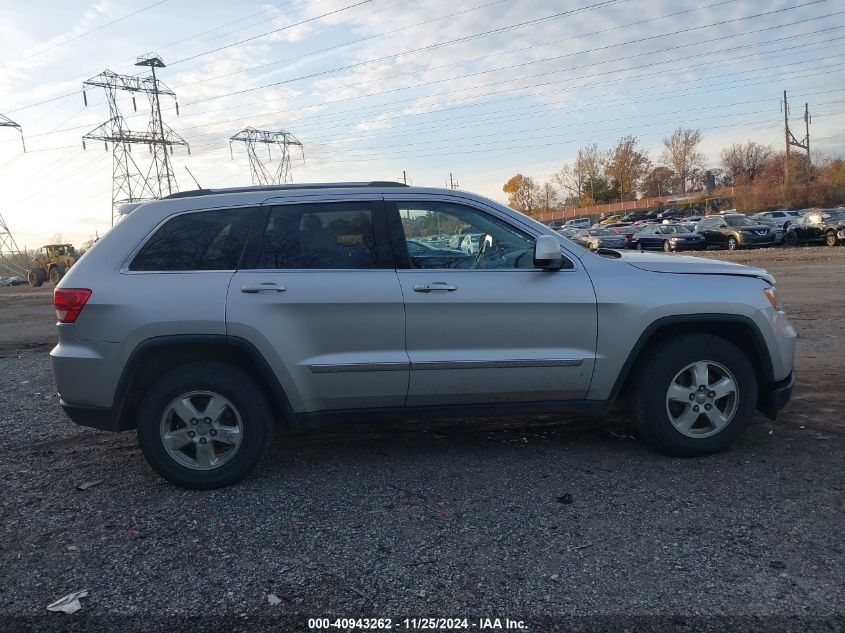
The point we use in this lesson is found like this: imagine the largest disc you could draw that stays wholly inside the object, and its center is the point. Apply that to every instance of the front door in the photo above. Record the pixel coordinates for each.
(483, 325)
(319, 297)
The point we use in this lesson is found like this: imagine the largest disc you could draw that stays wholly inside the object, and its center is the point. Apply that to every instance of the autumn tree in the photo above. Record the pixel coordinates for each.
(744, 162)
(658, 182)
(522, 193)
(627, 165)
(682, 155)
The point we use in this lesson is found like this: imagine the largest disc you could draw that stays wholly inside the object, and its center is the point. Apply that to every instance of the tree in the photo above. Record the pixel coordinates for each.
(744, 162)
(578, 179)
(522, 193)
(627, 166)
(682, 155)
(547, 197)
(658, 182)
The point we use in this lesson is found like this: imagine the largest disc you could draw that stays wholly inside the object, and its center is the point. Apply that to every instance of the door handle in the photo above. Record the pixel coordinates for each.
(435, 285)
(252, 289)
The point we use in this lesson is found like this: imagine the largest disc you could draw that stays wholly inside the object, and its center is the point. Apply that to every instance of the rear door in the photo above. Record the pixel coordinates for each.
(317, 293)
(489, 327)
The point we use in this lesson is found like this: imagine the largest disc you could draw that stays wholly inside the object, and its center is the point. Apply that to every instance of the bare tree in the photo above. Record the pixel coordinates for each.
(681, 153)
(547, 197)
(744, 162)
(627, 165)
(578, 178)
(522, 193)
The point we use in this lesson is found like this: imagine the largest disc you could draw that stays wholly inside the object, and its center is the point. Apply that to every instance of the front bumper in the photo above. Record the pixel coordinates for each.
(774, 396)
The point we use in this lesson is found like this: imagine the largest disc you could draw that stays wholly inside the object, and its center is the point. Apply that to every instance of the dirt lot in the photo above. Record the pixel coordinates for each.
(466, 519)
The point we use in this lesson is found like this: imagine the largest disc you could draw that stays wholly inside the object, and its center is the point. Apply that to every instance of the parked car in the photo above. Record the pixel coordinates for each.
(555, 225)
(781, 218)
(735, 230)
(578, 223)
(600, 238)
(779, 231)
(627, 232)
(667, 237)
(611, 219)
(203, 318)
(471, 244)
(818, 227)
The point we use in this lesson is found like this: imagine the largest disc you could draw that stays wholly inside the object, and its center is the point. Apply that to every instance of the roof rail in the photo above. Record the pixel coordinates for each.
(269, 188)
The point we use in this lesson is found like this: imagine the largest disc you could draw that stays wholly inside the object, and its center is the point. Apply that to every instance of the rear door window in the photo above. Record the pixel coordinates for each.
(328, 236)
(202, 240)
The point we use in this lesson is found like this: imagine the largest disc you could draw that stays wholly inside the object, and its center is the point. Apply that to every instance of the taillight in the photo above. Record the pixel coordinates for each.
(69, 303)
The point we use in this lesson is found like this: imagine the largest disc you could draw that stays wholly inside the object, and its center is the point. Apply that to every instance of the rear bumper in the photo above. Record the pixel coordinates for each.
(95, 417)
(774, 396)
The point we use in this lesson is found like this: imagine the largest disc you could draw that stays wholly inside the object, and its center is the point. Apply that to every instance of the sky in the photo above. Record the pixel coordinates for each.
(481, 89)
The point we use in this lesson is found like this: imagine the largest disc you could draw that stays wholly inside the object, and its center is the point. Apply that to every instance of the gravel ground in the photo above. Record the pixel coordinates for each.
(565, 523)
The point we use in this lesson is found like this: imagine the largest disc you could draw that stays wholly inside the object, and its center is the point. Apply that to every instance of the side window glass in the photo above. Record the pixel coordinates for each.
(448, 235)
(334, 235)
(204, 240)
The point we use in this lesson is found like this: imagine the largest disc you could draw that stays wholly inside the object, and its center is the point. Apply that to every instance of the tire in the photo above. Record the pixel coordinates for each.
(658, 417)
(830, 238)
(56, 273)
(35, 277)
(791, 238)
(244, 407)
(640, 247)
(667, 247)
(732, 244)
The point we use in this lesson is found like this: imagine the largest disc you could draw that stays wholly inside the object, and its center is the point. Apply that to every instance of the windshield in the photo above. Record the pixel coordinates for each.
(740, 220)
(673, 228)
(836, 216)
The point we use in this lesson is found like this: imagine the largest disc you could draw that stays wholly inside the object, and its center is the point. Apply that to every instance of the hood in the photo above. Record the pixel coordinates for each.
(686, 265)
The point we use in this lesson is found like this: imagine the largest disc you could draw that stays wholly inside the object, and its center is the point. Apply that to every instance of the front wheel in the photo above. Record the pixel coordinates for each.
(204, 425)
(35, 277)
(732, 243)
(830, 238)
(667, 247)
(791, 239)
(694, 395)
(639, 247)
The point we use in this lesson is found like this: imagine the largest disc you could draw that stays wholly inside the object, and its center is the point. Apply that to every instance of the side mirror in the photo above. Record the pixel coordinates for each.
(547, 253)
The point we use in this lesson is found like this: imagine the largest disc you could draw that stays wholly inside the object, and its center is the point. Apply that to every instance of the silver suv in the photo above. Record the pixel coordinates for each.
(201, 319)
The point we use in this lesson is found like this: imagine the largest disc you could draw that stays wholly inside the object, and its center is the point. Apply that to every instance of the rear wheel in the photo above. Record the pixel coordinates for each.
(639, 247)
(667, 247)
(204, 425)
(791, 238)
(56, 273)
(695, 395)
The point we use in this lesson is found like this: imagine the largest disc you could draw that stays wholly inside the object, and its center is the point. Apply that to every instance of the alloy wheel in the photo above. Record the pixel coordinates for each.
(702, 399)
(201, 430)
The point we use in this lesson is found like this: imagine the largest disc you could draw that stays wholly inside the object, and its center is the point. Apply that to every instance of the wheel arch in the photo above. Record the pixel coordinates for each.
(738, 329)
(154, 356)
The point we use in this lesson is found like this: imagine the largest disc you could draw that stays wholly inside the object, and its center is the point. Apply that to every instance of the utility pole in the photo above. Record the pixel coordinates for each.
(129, 182)
(453, 183)
(789, 137)
(7, 122)
(261, 174)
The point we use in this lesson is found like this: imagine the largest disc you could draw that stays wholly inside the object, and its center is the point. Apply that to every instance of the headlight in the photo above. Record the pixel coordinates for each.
(772, 295)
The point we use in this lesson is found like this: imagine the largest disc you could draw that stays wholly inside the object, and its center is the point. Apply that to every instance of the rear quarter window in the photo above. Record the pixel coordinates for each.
(202, 240)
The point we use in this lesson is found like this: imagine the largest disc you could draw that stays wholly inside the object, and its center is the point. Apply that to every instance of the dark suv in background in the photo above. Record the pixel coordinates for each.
(735, 230)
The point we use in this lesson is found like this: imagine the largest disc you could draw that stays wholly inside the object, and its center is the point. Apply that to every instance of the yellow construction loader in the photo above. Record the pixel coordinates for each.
(51, 262)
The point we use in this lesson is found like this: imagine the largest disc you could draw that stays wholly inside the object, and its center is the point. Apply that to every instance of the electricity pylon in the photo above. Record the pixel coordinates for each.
(129, 182)
(9, 251)
(7, 122)
(261, 173)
